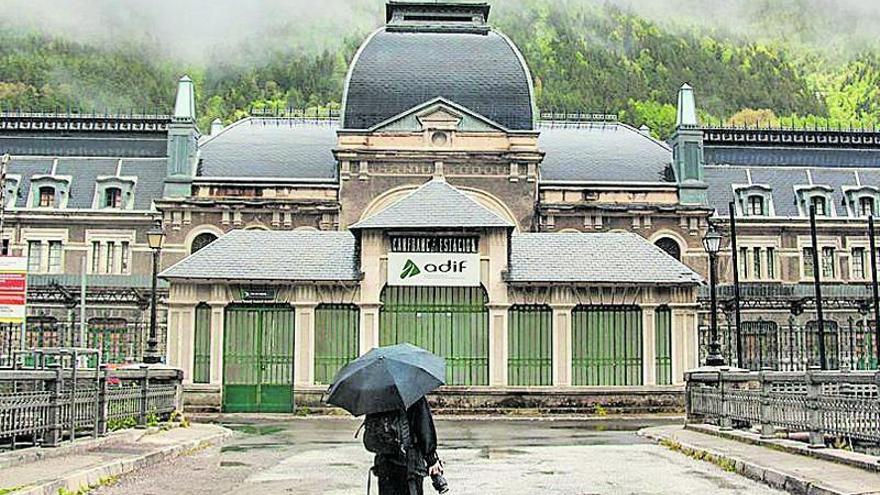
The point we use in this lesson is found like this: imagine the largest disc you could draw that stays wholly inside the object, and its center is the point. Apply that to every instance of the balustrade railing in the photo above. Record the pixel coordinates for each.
(825, 404)
(45, 406)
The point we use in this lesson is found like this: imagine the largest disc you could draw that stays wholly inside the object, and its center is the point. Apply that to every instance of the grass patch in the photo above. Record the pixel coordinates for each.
(84, 490)
(700, 455)
(6, 491)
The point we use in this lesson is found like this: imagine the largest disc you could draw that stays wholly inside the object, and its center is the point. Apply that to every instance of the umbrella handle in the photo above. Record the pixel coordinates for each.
(369, 479)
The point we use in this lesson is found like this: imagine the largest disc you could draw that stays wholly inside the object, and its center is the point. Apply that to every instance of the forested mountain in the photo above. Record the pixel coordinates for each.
(585, 56)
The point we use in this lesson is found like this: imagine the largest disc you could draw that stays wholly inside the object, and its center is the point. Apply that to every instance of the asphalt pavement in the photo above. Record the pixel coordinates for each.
(286, 455)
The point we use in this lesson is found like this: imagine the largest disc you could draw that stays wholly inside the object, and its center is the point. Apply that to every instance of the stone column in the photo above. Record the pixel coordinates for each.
(369, 327)
(498, 351)
(304, 349)
(679, 364)
(181, 338)
(562, 344)
(218, 322)
(649, 344)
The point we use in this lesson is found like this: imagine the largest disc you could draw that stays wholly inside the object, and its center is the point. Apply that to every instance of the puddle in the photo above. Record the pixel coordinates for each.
(250, 447)
(233, 464)
(255, 429)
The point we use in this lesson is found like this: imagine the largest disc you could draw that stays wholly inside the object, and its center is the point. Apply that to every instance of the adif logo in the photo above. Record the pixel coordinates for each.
(409, 270)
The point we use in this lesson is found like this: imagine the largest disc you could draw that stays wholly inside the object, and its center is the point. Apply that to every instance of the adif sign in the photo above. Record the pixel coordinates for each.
(434, 269)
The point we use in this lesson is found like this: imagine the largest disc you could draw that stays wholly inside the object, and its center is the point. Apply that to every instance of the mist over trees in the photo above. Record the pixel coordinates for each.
(756, 62)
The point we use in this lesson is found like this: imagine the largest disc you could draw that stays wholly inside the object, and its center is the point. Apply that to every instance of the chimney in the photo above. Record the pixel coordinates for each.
(216, 126)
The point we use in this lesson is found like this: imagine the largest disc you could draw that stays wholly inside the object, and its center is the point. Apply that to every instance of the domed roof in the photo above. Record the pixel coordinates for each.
(408, 63)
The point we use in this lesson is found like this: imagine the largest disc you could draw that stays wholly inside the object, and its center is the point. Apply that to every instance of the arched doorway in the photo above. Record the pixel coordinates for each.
(452, 322)
(670, 246)
(201, 241)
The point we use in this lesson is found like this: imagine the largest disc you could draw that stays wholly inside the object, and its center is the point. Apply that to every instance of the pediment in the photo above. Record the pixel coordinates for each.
(439, 114)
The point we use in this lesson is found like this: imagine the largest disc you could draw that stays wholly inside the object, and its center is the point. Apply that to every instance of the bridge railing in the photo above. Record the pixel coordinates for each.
(45, 406)
(826, 405)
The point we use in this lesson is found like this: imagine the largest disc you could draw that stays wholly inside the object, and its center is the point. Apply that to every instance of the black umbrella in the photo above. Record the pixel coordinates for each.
(387, 379)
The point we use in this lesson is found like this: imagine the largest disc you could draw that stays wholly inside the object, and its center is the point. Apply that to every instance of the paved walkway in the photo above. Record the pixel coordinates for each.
(91, 462)
(312, 456)
(793, 472)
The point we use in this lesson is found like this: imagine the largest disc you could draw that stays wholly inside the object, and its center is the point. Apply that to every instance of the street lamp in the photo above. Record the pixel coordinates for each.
(155, 238)
(712, 244)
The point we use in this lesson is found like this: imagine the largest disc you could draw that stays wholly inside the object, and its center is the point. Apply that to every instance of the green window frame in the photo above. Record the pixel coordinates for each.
(336, 339)
(607, 346)
(452, 322)
(530, 345)
(663, 345)
(202, 349)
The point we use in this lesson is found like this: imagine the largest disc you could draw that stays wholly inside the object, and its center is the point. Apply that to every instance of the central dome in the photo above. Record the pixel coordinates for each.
(429, 51)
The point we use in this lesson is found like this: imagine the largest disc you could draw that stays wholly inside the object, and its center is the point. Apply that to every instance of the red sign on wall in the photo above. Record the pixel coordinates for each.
(13, 289)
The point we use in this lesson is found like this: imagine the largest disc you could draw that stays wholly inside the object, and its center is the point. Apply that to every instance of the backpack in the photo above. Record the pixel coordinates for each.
(387, 433)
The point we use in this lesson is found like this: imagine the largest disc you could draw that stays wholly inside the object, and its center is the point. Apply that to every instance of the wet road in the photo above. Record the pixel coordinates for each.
(320, 456)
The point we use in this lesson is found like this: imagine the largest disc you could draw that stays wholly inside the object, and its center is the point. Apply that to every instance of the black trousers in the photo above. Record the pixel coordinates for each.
(396, 483)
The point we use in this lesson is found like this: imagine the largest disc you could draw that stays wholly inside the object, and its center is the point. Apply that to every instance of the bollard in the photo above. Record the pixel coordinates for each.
(814, 414)
(767, 429)
(53, 433)
(688, 390)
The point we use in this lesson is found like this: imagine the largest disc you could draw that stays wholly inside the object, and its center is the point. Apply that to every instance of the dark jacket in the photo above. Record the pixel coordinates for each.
(423, 452)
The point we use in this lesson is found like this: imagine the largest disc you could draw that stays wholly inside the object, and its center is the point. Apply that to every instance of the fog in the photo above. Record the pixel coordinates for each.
(192, 30)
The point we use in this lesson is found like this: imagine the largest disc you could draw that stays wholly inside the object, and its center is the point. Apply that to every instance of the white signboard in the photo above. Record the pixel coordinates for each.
(13, 289)
(434, 269)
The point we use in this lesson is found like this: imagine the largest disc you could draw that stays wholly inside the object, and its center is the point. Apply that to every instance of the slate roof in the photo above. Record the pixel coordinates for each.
(785, 168)
(792, 157)
(272, 255)
(436, 204)
(84, 172)
(603, 152)
(279, 148)
(85, 146)
(396, 71)
(610, 258)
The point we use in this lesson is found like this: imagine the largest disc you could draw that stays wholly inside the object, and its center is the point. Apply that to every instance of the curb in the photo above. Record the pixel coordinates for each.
(746, 468)
(80, 446)
(846, 458)
(95, 476)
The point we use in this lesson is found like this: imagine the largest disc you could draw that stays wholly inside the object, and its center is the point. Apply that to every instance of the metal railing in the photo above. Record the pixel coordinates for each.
(44, 406)
(849, 344)
(824, 404)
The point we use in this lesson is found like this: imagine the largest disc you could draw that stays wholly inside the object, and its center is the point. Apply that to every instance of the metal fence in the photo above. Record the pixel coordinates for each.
(850, 344)
(44, 406)
(825, 404)
(120, 341)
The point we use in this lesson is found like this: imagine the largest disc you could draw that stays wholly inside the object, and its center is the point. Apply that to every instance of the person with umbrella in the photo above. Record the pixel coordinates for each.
(388, 385)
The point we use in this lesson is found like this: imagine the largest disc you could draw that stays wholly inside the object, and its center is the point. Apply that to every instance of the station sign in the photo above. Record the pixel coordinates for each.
(13, 289)
(434, 269)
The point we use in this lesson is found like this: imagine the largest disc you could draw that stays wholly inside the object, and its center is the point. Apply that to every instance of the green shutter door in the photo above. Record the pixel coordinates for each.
(336, 339)
(258, 359)
(202, 350)
(530, 346)
(663, 348)
(607, 345)
(452, 322)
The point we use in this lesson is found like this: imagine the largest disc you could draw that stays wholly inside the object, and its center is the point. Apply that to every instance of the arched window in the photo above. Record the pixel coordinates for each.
(47, 197)
(669, 245)
(820, 204)
(112, 197)
(201, 241)
(866, 206)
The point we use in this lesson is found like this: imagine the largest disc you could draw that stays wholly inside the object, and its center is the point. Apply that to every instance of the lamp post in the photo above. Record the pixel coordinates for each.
(712, 244)
(155, 238)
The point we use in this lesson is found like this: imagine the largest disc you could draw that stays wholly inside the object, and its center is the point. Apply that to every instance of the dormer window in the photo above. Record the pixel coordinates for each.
(47, 197)
(756, 205)
(754, 200)
(113, 197)
(820, 204)
(866, 206)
